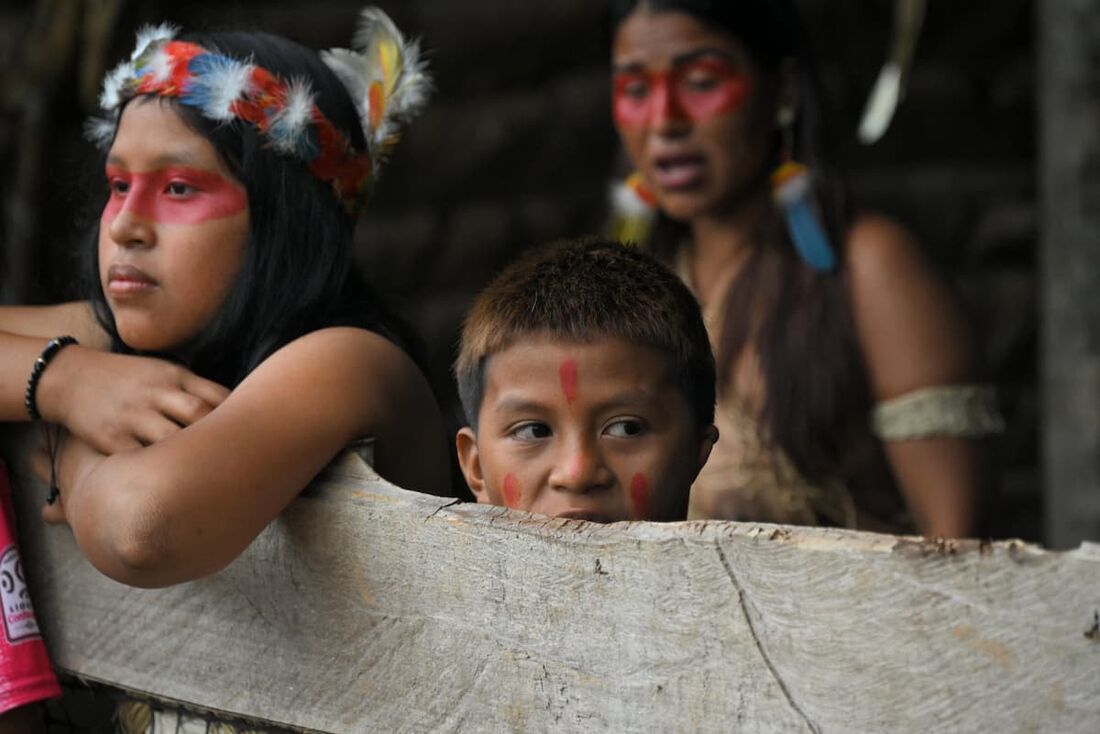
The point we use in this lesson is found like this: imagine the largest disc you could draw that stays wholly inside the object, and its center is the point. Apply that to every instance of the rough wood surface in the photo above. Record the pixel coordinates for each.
(369, 608)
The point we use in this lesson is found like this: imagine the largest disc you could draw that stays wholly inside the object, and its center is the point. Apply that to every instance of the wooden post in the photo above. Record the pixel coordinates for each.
(365, 607)
(1069, 108)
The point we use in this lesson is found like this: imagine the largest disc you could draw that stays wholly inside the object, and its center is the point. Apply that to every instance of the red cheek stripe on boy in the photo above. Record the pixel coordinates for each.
(646, 97)
(511, 491)
(173, 195)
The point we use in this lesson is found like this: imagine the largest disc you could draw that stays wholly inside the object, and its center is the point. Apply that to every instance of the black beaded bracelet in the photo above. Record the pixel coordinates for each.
(53, 346)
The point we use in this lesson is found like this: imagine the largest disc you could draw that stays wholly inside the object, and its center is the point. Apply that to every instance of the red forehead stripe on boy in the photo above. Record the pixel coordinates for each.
(567, 373)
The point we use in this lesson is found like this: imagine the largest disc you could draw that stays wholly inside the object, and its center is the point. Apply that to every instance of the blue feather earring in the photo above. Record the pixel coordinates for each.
(792, 189)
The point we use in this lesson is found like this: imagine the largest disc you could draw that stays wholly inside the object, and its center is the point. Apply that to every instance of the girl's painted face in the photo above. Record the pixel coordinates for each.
(587, 430)
(172, 235)
(687, 103)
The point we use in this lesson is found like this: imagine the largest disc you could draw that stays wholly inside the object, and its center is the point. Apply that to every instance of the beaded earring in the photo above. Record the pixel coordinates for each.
(633, 209)
(792, 190)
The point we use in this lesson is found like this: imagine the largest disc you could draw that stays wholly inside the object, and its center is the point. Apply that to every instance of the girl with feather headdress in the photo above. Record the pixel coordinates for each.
(846, 370)
(227, 350)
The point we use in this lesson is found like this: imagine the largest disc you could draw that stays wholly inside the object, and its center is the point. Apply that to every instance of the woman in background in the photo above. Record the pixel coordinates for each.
(846, 369)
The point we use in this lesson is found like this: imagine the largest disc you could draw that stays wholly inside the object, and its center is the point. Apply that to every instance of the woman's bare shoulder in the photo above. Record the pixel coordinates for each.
(74, 318)
(909, 321)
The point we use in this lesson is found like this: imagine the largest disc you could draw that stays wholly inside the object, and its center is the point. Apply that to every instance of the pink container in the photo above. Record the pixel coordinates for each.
(25, 672)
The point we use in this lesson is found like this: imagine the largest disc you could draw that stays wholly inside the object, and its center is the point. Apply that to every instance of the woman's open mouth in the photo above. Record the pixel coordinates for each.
(678, 172)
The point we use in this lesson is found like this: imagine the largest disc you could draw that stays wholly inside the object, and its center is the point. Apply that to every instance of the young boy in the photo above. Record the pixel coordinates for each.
(588, 382)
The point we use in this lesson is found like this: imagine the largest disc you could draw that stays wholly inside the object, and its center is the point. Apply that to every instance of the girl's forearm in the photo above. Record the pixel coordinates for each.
(17, 355)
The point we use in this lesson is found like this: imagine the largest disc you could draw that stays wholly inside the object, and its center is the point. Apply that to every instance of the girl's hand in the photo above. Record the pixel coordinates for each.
(74, 461)
(117, 402)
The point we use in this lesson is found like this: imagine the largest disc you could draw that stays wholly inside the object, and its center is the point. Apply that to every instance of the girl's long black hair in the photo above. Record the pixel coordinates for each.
(297, 275)
(816, 390)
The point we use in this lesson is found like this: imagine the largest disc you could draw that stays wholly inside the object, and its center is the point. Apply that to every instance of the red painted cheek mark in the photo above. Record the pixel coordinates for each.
(173, 195)
(568, 375)
(511, 491)
(639, 495)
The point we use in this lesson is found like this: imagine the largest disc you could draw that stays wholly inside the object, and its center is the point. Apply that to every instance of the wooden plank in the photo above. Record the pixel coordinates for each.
(369, 608)
(1069, 101)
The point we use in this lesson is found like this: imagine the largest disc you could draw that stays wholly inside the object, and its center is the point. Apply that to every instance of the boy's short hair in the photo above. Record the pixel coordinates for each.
(582, 290)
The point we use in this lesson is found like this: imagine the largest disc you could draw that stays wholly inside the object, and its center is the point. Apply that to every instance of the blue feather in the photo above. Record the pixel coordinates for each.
(807, 234)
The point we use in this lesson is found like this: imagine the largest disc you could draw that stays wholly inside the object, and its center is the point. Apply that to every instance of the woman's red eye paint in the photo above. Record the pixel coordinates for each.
(639, 496)
(511, 491)
(175, 195)
(641, 98)
(725, 90)
(630, 100)
(567, 373)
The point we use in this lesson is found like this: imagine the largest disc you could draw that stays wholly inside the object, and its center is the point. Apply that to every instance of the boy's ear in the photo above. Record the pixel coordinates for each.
(706, 443)
(470, 462)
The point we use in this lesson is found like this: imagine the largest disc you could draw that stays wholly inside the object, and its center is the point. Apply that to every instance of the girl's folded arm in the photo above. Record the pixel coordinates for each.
(188, 505)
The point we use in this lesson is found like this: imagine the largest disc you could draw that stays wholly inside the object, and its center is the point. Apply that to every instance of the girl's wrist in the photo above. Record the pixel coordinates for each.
(53, 389)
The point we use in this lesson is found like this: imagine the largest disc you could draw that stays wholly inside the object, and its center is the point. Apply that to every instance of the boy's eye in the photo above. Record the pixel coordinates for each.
(118, 186)
(625, 428)
(532, 431)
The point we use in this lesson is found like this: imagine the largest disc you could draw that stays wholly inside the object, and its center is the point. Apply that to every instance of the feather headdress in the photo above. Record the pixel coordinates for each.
(384, 75)
(384, 78)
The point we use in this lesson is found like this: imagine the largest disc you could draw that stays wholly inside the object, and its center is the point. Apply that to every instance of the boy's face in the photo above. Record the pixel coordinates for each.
(597, 431)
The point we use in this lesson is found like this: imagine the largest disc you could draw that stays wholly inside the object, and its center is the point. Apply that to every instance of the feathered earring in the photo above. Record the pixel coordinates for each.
(792, 189)
(633, 209)
(385, 77)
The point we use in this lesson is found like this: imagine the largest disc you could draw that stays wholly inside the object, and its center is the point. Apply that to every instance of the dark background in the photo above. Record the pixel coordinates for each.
(517, 149)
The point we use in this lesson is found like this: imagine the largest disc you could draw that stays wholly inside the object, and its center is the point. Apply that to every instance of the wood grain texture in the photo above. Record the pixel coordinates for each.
(369, 608)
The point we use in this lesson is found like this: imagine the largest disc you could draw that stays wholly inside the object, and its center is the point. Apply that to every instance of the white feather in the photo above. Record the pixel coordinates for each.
(101, 131)
(358, 70)
(353, 71)
(369, 17)
(414, 85)
(111, 96)
(159, 65)
(150, 34)
(225, 85)
(881, 104)
(289, 124)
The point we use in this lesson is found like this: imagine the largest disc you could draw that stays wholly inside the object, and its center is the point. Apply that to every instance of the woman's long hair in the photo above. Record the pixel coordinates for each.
(799, 322)
(297, 274)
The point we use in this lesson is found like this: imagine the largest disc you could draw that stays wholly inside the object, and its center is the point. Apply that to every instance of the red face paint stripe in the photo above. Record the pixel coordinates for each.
(174, 195)
(511, 491)
(569, 380)
(697, 91)
(639, 495)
